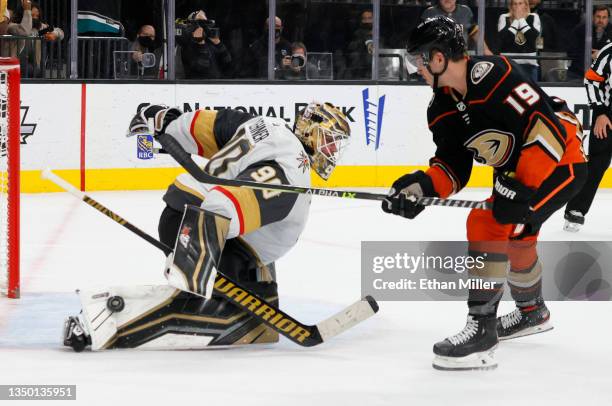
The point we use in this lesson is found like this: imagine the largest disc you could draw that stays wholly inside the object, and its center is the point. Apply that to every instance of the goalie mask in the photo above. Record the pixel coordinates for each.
(324, 132)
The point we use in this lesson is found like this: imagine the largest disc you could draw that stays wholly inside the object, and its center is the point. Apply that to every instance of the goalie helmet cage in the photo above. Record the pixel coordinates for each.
(10, 140)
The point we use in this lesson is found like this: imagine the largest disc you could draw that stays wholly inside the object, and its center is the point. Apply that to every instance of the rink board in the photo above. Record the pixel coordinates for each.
(82, 133)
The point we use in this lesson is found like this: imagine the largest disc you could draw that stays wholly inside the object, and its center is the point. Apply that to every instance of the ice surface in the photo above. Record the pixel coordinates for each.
(384, 361)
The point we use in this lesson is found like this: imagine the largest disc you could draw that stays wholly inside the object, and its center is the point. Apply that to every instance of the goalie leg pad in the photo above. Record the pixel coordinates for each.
(100, 318)
(160, 317)
(197, 251)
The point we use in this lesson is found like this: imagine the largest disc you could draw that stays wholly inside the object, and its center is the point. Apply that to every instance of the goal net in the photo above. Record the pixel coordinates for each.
(9, 176)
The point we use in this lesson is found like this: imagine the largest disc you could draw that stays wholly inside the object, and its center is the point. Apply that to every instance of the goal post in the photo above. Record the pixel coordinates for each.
(10, 140)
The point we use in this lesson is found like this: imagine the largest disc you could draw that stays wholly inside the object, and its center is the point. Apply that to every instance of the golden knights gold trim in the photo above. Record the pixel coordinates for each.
(171, 316)
(203, 131)
(166, 302)
(198, 268)
(189, 190)
(261, 334)
(251, 211)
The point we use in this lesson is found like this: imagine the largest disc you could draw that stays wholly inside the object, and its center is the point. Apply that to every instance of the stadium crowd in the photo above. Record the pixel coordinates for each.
(228, 39)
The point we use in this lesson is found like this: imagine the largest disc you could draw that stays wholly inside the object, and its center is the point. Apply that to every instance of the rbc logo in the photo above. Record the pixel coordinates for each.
(373, 117)
(144, 144)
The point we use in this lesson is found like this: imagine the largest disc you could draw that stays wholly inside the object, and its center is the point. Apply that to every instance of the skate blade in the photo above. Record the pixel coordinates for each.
(540, 328)
(478, 361)
(571, 227)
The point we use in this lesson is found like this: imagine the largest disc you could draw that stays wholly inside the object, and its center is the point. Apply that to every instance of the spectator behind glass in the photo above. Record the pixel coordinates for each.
(602, 35)
(21, 22)
(462, 15)
(203, 54)
(42, 29)
(360, 49)
(518, 32)
(19, 26)
(5, 17)
(31, 54)
(255, 63)
(549, 37)
(296, 70)
(145, 44)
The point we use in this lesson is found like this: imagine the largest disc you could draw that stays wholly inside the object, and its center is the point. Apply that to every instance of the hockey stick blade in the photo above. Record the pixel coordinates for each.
(172, 147)
(347, 318)
(301, 334)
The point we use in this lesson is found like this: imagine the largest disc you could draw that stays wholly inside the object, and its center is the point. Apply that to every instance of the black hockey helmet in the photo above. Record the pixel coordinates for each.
(440, 33)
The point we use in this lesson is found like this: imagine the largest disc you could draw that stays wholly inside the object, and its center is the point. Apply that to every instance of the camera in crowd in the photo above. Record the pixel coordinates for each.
(46, 30)
(211, 30)
(298, 61)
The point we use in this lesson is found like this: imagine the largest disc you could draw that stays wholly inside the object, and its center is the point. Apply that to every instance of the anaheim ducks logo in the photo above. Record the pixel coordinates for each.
(491, 147)
(480, 70)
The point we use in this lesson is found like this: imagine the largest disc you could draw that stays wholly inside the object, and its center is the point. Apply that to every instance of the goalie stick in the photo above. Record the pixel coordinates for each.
(172, 147)
(301, 334)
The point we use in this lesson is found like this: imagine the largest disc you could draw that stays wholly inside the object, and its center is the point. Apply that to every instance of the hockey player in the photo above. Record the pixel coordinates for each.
(485, 109)
(238, 231)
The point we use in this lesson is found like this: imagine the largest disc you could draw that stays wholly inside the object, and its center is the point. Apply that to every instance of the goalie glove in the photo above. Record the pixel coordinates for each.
(511, 200)
(403, 195)
(152, 119)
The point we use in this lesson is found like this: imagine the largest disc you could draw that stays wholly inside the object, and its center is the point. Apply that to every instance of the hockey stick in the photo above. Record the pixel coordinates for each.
(172, 147)
(301, 334)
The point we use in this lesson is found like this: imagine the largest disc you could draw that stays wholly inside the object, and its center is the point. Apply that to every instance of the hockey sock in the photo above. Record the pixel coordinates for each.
(525, 275)
(484, 301)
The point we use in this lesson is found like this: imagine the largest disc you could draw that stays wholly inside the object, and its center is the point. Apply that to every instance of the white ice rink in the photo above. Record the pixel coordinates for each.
(384, 361)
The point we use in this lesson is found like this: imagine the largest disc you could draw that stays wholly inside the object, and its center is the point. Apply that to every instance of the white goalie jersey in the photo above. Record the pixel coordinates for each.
(240, 146)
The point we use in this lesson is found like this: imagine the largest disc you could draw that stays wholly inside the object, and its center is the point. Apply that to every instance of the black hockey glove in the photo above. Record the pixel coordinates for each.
(402, 198)
(511, 200)
(161, 115)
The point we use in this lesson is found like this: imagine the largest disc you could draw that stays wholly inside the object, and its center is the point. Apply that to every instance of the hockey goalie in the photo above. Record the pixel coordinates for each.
(235, 231)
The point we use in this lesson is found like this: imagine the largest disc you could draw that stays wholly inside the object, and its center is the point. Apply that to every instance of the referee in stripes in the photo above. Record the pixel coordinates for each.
(598, 82)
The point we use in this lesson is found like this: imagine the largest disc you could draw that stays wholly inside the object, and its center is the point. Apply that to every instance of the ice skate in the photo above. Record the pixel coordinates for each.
(573, 221)
(75, 335)
(524, 321)
(471, 348)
